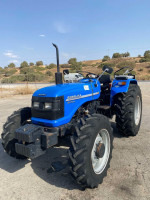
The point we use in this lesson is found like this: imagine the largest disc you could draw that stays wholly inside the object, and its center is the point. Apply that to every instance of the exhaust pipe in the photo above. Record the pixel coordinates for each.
(58, 74)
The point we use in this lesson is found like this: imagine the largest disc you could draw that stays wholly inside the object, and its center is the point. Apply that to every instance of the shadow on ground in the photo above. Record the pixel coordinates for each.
(52, 167)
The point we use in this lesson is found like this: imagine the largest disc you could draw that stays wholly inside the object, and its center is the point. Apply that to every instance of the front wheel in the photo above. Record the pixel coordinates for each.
(14, 121)
(91, 150)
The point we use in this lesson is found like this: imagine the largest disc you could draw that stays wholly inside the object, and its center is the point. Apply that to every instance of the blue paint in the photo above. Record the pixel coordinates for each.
(116, 89)
(81, 92)
(75, 95)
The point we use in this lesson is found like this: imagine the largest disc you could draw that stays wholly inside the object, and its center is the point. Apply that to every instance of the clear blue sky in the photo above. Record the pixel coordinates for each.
(86, 29)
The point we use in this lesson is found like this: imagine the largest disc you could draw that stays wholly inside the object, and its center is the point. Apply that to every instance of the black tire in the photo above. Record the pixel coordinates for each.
(14, 121)
(82, 141)
(125, 110)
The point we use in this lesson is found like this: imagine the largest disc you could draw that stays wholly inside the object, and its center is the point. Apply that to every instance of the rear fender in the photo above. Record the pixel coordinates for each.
(118, 89)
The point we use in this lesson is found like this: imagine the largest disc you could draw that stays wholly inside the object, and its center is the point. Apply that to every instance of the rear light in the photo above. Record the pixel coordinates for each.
(122, 83)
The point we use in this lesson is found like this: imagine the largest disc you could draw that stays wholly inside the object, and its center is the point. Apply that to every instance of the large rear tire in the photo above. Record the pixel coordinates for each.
(91, 150)
(129, 111)
(14, 121)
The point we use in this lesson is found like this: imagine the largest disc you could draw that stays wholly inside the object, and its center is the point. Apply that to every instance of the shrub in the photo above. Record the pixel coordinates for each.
(146, 57)
(116, 55)
(38, 63)
(143, 60)
(76, 67)
(10, 72)
(24, 64)
(50, 66)
(31, 64)
(147, 54)
(33, 77)
(49, 73)
(11, 65)
(72, 61)
(106, 64)
(125, 64)
(105, 58)
(84, 65)
(26, 70)
(13, 79)
(126, 54)
(65, 66)
(38, 69)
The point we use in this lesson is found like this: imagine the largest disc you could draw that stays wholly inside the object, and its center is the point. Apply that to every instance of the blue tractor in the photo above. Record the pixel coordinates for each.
(79, 111)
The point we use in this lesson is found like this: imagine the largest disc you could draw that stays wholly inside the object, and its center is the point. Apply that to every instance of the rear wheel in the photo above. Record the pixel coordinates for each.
(91, 150)
(129, 111)
(18, 118)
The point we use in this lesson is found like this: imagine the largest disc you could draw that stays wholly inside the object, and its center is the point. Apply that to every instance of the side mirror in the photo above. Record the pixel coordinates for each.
(66, 71)
(107, 69)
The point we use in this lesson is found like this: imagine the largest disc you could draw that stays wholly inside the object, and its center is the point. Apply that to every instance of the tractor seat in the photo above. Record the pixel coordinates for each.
(105, 79)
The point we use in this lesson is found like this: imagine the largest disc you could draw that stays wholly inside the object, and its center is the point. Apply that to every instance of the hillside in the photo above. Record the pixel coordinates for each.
(45, 74)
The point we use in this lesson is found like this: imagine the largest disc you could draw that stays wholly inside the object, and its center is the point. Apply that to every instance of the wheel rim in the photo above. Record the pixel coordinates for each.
(137, 110)
(99, 164)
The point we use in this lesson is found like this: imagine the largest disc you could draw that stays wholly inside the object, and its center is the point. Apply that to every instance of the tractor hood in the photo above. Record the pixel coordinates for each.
(65, 89)
(71, 97)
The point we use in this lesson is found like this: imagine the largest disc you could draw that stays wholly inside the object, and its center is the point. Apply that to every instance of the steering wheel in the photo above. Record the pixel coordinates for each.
(88, 74)
(126, 72)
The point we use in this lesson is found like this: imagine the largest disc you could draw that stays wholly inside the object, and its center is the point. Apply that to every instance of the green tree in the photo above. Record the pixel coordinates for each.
(147, 54)
(31, 64)
(72, 61)
(146, 57)
(105, 58)
(76, 66)
(116, 55)
(139, 56)
(11, 65)
(50, 66)
(24, 64)
(126, 54)
(38, 63)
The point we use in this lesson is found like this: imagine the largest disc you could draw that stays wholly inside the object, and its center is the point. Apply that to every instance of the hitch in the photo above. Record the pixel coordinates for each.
(33, 140)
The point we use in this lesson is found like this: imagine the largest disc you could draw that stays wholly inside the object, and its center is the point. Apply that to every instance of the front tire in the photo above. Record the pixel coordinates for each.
(17, 119)
(129, 111)
(91, 150)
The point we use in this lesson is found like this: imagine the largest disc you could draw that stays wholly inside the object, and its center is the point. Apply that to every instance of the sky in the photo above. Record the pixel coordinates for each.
(85, 29)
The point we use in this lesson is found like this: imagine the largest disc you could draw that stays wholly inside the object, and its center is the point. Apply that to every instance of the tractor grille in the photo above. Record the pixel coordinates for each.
(51, 114)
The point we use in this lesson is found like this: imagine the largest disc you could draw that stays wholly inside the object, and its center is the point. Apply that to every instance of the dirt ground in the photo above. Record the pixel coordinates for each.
(128, 176)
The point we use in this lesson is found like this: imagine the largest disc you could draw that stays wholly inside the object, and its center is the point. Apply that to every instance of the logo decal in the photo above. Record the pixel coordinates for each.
(86, 87)
(79, 96)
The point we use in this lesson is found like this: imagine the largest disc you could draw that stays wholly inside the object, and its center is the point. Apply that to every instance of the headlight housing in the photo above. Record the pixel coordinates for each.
(50, 108)
(48, 105)
(36, 104)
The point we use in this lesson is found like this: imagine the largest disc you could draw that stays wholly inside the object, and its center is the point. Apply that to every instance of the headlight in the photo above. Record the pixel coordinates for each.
(48, 105)
(36, 104)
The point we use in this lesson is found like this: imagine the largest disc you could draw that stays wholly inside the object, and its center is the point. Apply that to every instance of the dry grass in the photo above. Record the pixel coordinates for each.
(24, 90)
